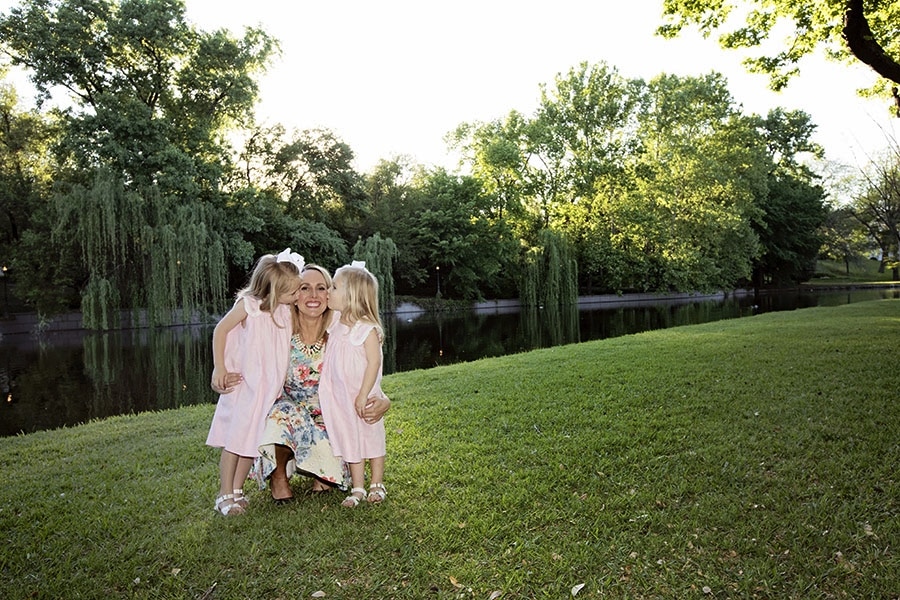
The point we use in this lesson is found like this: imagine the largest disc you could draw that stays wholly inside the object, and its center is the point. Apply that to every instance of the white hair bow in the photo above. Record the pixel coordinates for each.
(358, 263)
(292, 257)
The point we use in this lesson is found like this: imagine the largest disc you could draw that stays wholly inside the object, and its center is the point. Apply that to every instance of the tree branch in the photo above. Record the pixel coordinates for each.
(862, 43)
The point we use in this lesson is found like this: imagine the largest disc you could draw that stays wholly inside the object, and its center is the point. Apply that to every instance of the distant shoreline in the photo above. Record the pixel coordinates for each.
(27, 323)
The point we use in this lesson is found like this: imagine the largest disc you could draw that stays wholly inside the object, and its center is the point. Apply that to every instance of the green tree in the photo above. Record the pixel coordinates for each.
(468, 251)
(45, 275)
(793, 207)
(867, 31)
(498, 153)
(313, 173)
(151, 101)
(394, 201)
(701, 169)
(878, 207)
(844, 238)
(379, 255)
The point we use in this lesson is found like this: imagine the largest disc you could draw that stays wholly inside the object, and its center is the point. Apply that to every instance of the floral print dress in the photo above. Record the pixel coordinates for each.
(296, 421)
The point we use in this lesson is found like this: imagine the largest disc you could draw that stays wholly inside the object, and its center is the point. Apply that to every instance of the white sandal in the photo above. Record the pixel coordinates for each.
(240, 499)
(352, 501)
(225, 505)
(377, 493)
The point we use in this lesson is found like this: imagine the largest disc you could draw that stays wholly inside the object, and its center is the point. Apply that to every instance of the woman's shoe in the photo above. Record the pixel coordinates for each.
(377, 493)
(352, 500)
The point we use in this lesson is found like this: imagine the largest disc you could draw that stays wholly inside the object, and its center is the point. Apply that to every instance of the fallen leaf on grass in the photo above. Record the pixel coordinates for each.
(577, 588)
(319, 594)
(455, 582)
(495, 594)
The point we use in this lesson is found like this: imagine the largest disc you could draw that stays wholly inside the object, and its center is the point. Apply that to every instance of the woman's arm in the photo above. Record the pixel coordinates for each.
(375, 409)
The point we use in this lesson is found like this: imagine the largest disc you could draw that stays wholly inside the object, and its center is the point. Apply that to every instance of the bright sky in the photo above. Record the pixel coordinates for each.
(392, 77)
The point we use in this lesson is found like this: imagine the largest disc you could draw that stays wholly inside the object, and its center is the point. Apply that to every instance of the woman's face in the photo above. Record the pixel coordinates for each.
(337, 296)
(313, 297)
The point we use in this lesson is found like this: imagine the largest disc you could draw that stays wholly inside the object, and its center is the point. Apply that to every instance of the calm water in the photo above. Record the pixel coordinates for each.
(63, 379)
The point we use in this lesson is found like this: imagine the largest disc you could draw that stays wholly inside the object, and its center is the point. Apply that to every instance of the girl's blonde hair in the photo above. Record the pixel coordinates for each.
(326, 316)
(271, 279)
(362, 295)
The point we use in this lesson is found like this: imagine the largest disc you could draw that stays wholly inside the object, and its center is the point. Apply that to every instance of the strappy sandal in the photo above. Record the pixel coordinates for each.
(377, 493)
(353, 500)
(225, 505)
(240, 499)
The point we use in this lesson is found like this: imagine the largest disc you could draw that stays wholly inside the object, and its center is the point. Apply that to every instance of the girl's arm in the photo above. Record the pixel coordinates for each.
(372, 346)
(232, 319)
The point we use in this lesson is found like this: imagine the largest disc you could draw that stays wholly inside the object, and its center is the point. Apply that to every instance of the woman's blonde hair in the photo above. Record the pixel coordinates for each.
(362, 295)
(326, 316)
(271, 279)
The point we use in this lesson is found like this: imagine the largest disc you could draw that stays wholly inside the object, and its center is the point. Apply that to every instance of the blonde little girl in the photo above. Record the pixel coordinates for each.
(351, 373)
(252, 340)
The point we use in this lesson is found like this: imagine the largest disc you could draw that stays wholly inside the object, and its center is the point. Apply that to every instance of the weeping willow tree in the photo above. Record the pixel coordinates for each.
(549, 292)
(379, 255)
(150, 101)
(142, 252)
(550, 276)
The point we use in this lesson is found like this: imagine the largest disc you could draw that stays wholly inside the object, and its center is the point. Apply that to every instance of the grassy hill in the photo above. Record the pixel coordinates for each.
(752, 458)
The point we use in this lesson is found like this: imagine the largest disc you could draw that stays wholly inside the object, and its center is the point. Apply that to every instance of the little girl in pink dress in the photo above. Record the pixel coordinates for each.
(252, 340)
(351, 373)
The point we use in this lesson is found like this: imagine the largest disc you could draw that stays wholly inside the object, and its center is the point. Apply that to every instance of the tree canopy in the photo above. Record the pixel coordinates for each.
(151, 186)
(864, 30)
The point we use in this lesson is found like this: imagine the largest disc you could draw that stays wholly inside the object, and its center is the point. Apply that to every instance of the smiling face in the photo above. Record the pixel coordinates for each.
(313, 297)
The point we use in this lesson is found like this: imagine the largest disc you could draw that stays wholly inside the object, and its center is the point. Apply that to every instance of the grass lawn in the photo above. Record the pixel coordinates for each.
(746, 458)
(833, 272)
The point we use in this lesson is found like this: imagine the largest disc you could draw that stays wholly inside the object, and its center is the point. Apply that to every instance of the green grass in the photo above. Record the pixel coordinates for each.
(746, 458)
(832, 272)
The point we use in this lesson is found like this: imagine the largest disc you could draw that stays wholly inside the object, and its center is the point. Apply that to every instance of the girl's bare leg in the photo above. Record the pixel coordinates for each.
(377, 491)
(358, 480)
(241, 470)
(227, 466)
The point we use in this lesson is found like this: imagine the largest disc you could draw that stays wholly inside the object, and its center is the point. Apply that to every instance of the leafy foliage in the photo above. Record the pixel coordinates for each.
(623, 184)
(846, 29)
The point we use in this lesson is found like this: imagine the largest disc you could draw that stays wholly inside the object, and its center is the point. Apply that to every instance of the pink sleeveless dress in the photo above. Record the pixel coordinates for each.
(259, 350)
(343, 367)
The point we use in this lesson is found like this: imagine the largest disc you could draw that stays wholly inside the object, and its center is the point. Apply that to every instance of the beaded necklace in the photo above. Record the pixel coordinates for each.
(309, 349)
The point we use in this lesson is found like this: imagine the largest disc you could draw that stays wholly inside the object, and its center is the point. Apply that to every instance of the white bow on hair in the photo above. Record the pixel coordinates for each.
(358, 263)
(292, 257)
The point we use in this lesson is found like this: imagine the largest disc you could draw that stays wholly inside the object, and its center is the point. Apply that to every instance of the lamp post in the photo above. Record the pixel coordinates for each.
(3, 275)
(438, 270)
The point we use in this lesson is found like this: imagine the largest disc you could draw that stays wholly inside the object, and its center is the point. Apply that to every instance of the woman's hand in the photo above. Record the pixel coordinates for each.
(225, 384)
(375, 409)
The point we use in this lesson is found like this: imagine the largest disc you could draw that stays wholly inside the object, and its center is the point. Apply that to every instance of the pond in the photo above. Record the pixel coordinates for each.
(66, 378)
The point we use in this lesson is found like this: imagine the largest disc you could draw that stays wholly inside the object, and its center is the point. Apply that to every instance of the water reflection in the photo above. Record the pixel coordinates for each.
(69, 378)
